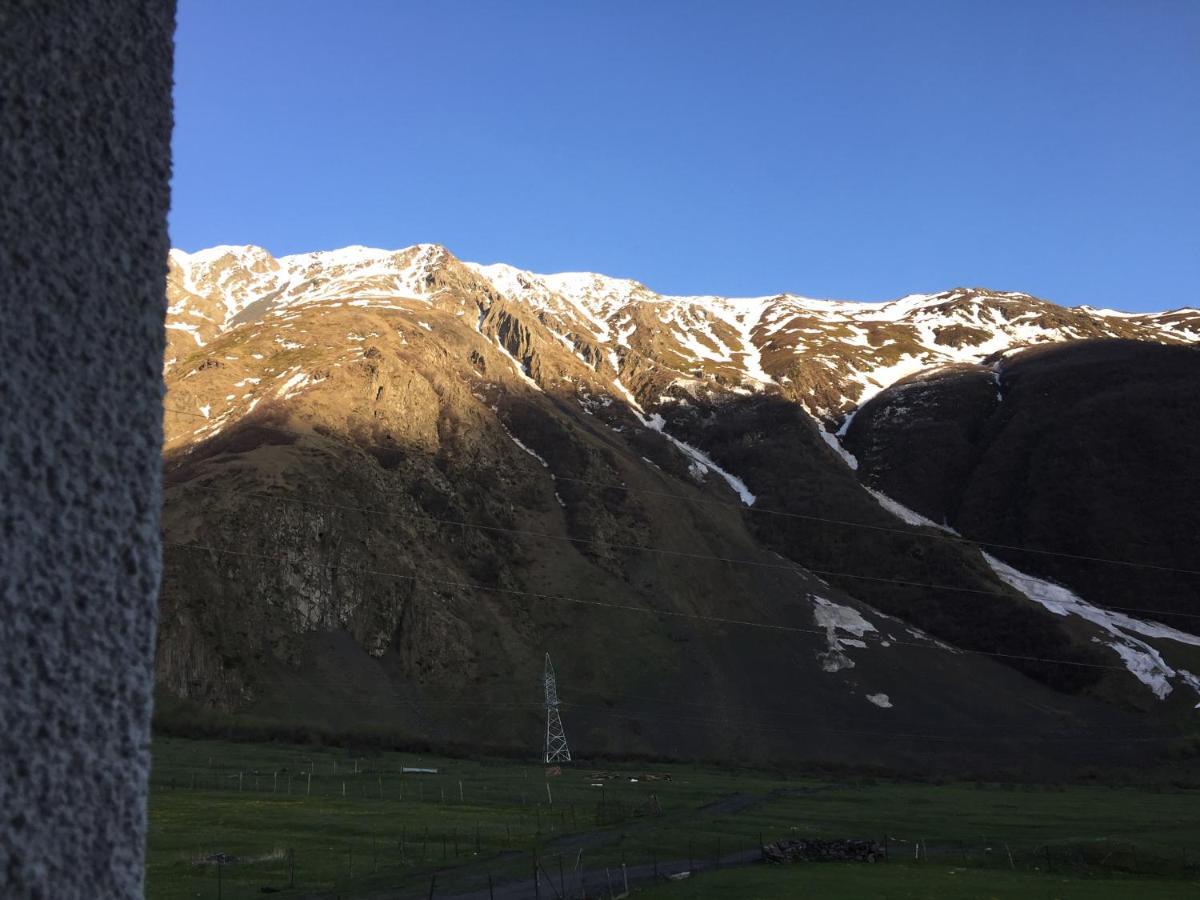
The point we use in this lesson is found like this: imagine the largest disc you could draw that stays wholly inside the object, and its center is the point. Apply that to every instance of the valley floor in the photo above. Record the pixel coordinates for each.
(239, 820)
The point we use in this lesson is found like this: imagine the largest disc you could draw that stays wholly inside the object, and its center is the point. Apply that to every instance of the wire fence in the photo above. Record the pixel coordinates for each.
(473, 866)
(428, 835)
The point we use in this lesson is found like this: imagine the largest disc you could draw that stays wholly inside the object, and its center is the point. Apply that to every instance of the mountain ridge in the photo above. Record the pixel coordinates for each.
(726, 335)
(497, 398)
(216, 251)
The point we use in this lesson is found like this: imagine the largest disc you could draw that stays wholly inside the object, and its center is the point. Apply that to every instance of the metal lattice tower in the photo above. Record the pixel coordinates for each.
(556, 739)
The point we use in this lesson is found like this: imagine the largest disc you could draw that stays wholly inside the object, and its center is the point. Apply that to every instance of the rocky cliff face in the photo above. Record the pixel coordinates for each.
(395, 479)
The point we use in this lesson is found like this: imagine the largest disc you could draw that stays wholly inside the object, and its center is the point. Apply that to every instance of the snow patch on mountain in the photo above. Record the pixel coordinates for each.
(835, 618)
(190, 329)
(519, 367)
(902, 512)
(1143, 660)
(700, 458)
(516, 440)
(836, 445)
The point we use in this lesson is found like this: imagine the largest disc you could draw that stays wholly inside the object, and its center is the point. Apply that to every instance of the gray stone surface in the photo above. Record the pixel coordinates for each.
(85, 127)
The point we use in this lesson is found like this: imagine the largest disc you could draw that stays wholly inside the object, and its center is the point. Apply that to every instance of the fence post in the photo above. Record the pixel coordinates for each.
(608, 878)
(491, 892)
(885, 848)
(218, 877)
(291, 867)
(432, 885)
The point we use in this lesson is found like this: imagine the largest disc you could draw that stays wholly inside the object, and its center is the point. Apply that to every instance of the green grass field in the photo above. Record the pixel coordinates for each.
(240, 817)
(910, 882)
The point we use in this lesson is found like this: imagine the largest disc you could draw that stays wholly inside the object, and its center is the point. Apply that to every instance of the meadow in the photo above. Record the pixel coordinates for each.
(236, 820)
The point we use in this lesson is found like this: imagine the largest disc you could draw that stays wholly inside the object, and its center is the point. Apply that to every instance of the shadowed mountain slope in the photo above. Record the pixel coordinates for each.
(1088, 449)
(394, 480)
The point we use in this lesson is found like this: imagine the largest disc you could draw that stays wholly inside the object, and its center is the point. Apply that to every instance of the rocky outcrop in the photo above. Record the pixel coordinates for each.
(815, 850)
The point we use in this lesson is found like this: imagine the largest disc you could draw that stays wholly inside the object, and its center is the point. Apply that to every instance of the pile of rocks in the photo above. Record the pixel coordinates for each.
(823, 851)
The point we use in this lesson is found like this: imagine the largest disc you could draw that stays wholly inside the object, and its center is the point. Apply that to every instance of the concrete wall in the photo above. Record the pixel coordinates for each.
(85, 128)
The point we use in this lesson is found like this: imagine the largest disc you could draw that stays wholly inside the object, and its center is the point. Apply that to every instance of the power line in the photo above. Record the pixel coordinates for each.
(795, 568)
(726, 722)
(563, 598)
(924, 531)
(531, 706)
(763, 726)
(927, 533)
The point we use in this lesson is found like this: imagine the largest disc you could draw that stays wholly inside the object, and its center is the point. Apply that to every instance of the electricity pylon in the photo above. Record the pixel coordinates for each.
(556, 739)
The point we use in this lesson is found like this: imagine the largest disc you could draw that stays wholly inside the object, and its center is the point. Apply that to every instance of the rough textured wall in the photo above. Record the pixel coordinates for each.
(85, 128)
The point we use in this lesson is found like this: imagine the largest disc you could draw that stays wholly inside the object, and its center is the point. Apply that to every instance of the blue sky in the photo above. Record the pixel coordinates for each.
(859, 150)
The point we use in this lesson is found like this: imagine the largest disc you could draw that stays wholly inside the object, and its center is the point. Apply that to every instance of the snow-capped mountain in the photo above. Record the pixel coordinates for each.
(368, 442)
(829, 355)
